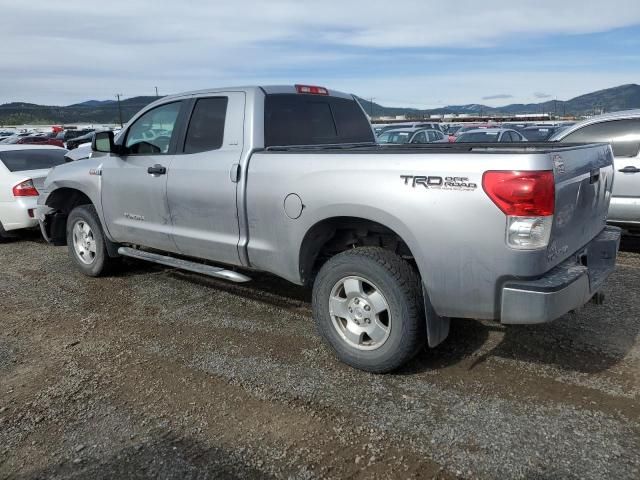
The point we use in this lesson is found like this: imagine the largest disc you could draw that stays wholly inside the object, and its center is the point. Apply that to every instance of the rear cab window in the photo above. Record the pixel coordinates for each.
(36, 159)
(300, 119)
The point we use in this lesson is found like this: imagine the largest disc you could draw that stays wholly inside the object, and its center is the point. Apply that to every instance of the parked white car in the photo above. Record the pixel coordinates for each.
(23, 169)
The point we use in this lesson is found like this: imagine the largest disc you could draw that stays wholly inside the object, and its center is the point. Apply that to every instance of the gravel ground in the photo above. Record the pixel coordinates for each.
(155, 373)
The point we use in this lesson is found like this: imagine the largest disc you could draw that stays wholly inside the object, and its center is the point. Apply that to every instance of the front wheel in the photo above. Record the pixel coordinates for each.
(86, 242)
(367, 304)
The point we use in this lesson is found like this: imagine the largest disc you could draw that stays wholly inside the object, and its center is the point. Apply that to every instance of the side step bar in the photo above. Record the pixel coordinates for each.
(184, 264)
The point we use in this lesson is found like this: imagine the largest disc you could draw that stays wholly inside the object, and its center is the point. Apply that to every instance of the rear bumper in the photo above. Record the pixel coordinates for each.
(564, 288)
(18, 214)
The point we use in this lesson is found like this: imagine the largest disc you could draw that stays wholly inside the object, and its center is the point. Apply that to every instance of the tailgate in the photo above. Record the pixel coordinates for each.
(584, 179)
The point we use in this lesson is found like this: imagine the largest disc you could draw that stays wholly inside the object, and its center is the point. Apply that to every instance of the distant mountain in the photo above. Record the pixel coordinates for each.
(92, 111)
(92, 103)
(623, 97)
(106, 111)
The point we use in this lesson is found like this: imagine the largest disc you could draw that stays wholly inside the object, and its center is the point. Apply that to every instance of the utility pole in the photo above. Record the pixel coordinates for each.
(118, 95)
(157, 92)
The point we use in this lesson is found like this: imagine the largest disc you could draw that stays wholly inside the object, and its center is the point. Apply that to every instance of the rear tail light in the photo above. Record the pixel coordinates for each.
(25, 189)
(312, 90)
(528, 201)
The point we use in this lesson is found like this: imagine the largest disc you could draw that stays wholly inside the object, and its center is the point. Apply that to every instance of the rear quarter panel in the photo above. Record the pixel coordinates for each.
(456, 235)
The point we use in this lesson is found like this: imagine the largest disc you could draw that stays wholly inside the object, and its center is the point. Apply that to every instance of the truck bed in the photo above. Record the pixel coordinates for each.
(450, 148)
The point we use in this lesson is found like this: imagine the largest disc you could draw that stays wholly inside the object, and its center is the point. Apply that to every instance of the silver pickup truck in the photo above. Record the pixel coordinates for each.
(394, 240)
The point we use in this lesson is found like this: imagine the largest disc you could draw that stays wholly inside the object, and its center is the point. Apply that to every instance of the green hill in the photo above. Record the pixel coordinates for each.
(106, 111)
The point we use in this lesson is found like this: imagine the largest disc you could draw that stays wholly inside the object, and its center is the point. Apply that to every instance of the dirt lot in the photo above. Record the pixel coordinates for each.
(155, 373)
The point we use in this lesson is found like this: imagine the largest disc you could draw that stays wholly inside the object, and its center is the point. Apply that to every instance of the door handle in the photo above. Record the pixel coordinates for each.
(157, 169)
(630, 169)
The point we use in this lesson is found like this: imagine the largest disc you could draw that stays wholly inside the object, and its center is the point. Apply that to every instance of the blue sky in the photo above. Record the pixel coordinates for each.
(416, 53)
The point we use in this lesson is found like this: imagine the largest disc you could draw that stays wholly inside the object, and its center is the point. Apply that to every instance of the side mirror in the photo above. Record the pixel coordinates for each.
(103, 142)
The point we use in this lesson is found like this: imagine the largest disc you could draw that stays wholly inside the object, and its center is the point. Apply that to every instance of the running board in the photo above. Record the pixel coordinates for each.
(184, 264)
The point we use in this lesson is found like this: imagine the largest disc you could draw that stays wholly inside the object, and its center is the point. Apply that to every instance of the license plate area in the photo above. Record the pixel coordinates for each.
(600, 257)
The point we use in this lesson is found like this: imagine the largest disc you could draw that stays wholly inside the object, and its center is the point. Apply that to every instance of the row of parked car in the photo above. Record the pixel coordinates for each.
(420, 132)
(25, 157)
(68, 138)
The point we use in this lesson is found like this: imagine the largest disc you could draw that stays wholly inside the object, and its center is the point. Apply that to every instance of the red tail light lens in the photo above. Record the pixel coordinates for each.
(25, 189)
(312, 90)
(523, 194)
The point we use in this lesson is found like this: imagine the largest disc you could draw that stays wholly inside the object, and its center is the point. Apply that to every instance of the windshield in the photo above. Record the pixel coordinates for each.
(479, 137)
(394, 137)
(461, 130)
(538, 134)
(36, 159)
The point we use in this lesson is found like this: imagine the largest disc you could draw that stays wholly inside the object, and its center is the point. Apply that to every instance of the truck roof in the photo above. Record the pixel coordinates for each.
(267, 89)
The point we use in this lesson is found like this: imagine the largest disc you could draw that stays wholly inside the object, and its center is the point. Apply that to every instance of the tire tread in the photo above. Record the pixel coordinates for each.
(407, 281)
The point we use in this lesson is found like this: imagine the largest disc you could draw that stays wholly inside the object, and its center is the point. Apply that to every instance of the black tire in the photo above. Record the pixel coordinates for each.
(4, 235)
(400, 286)
(101, 263)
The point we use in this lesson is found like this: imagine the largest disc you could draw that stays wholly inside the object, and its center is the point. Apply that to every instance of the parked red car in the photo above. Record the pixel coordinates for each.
(41, 141)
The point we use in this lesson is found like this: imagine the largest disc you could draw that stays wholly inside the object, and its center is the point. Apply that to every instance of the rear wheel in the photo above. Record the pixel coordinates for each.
(86, 242)
(367, 306)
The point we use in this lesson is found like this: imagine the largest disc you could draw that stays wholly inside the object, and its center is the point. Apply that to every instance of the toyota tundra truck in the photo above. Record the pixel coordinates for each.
(393, 240)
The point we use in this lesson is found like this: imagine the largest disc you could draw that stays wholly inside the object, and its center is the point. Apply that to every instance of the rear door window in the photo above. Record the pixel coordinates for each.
(624, 136)
(36, 159)
(206, 127)
(298, 119)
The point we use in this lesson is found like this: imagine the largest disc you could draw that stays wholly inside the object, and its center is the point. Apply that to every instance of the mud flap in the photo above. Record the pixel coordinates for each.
(437, 326)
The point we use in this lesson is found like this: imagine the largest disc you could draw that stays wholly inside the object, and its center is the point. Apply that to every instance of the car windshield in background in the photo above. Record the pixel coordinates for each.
(462, 130)
(479, 137)
(394, 137)
(36, 159)
(537, 134)
(294, 119)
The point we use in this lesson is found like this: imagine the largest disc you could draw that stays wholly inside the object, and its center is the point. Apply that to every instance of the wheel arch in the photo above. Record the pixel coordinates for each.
(332, 235)
(62, 201)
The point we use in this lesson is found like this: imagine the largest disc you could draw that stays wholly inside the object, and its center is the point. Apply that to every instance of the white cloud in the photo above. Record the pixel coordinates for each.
(61, 52)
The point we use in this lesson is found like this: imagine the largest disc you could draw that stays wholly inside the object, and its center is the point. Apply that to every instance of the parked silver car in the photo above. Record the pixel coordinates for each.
(622, 130)
(412, 135)
(490, 135)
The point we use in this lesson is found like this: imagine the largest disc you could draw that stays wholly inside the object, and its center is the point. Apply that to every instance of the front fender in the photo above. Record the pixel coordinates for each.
(83, 176)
